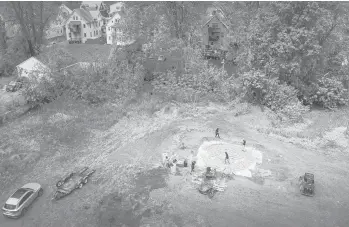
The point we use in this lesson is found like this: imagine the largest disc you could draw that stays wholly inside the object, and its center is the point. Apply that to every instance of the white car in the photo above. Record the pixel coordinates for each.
(19, 201)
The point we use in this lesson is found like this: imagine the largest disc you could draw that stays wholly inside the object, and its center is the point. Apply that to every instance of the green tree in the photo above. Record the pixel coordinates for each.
(33, 18)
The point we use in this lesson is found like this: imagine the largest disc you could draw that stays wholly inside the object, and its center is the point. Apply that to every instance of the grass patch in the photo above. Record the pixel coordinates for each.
(63, 126)
(88, 52)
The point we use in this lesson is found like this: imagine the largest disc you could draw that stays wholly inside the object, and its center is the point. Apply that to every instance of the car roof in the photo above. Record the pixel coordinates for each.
(19, 193)
(31, 186)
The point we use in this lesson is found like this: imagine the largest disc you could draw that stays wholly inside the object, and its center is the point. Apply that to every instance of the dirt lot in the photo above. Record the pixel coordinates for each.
(134, 145)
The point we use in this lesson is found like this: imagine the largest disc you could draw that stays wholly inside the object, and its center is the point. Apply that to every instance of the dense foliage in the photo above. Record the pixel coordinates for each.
(297, 43)
(288, 54)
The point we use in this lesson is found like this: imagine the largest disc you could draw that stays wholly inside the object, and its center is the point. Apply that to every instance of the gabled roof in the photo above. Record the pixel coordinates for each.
(94, 14)
(86, 15)
(32, 64)
(112, 17)
(92, 3)
(109, 3)
(215, 16)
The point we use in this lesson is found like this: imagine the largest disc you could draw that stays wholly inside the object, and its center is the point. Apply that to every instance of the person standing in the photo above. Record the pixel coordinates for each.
(192, 166)
(244, 144)
(217, 133)
(226, 160)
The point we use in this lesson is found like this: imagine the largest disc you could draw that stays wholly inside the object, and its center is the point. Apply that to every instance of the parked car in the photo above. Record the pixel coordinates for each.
(14, 86)
(18, 203)
(307, 184)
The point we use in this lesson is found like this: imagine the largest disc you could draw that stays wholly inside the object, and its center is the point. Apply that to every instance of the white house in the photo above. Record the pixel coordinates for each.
(32, 68)
(57, 27)
(110, 29)
(82, 25)
(113, 34)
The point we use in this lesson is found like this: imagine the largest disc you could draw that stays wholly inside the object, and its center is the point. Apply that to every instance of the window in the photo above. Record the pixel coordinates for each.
(25, 198)
(109, 37)
(84, 34)
(84, 25)
(108, 28)
(90, 34)
(112, 21)
(61, 30)
(69, 34)
(10, 207)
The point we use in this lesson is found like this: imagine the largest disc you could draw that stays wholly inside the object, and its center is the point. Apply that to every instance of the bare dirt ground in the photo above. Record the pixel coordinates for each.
(134, 145)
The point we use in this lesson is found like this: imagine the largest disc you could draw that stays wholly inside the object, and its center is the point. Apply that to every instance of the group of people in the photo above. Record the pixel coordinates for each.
(171, 162)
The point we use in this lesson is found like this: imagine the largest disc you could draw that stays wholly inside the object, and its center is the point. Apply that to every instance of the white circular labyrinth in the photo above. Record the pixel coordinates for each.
(212, 154)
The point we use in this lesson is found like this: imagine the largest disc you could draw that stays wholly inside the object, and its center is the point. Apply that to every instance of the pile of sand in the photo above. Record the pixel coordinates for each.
(212, 154)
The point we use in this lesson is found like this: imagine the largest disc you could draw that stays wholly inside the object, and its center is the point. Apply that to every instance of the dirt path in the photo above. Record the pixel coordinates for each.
(245, 203)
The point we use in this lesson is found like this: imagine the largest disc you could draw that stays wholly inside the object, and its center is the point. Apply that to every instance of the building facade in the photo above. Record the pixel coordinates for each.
(111, 31)
(57, 28)
(213, 33)
(83, 25)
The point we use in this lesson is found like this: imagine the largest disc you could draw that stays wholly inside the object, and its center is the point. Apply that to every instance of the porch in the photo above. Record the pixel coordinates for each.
(74, 28)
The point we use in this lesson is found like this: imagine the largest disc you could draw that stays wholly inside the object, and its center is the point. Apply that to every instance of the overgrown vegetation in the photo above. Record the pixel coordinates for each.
(289, 57)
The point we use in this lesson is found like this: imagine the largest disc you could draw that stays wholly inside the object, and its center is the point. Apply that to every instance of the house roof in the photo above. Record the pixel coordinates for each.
(91, 3)
(215, 16)
(94, 14)
(32, 64)
(86, 15)
(104, 14)
(109, 3)
(112, 17)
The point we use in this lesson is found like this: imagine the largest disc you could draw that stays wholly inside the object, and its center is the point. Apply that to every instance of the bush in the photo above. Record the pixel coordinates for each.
(198, 79)
(330, 93)
(280, 98)
(94, 83)
(38, 91)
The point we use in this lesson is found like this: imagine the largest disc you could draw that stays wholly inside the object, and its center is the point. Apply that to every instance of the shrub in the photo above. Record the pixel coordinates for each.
(280, 98)
(330, 93)
(38, 91)
(94, 83)
(197, 79)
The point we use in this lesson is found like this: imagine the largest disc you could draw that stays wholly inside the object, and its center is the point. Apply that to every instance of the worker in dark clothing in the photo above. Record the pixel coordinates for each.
(226, 160)
(244, 143)
(217, 133)
(192, 166)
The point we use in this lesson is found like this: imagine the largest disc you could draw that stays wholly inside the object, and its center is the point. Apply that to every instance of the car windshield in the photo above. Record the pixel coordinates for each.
(18, 194)
(9, 206)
